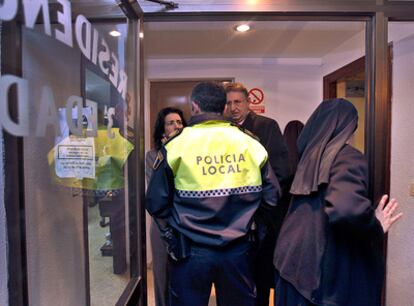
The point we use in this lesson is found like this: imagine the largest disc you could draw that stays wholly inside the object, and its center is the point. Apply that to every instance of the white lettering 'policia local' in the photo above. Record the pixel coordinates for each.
(223, 164)
(93, 47)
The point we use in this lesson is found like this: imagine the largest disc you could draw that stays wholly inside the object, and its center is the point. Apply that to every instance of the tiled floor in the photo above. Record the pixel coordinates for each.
(212, 302)
(105, 286)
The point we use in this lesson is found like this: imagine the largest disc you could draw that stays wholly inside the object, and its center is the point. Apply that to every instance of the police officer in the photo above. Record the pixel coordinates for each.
(208, 182)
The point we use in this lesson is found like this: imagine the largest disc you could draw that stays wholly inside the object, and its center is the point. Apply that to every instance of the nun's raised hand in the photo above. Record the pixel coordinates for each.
(385, 212)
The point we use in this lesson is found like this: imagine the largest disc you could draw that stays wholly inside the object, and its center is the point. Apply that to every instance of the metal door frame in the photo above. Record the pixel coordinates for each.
(376, 14)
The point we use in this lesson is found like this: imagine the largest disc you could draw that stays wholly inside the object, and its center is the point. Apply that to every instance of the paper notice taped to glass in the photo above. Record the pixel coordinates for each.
(93, 163)
(75, 158)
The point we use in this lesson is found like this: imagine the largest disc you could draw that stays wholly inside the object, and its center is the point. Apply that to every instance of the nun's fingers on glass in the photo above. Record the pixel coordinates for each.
(382, 202)
(391, 207)
(386, 216)
(395, 218)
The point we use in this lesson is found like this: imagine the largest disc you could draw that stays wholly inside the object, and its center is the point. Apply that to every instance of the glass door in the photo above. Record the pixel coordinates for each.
(76, 95)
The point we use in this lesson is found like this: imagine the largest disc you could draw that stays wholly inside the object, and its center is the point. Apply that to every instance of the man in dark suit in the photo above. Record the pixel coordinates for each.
(268, 132)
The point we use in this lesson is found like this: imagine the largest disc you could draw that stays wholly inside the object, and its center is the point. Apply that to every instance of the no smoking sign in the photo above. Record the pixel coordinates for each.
(256, 99)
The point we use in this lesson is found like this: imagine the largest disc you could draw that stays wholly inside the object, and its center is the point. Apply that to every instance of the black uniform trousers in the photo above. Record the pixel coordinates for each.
(229, 268)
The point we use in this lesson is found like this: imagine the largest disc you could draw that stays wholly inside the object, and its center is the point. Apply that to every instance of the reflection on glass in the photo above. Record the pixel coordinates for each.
(107, 193)
(54, 214)
(92, 163)
(76, 170)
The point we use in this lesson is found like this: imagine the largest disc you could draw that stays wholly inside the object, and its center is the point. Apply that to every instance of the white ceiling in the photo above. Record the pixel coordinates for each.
(208, 39)
(268, 39)
(242, 5)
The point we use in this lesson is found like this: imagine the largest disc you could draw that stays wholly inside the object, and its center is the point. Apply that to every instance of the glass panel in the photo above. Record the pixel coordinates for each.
(107, 196)
(75, 100)
(54, 212)
(400, 267)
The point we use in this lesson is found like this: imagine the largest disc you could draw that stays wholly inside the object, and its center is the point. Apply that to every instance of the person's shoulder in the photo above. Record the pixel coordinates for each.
(150, 159)
(150, 155)
(263, 120)
(351, 152)
(158, 160)
(246, 131)
(351, 158)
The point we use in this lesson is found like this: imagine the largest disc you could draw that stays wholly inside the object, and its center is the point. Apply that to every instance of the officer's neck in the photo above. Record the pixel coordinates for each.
(207, 113)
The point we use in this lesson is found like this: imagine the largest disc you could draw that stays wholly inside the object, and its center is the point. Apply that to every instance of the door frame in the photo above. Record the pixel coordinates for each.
(377, 14)
(14, 201)
(330, 80)
(376, 30)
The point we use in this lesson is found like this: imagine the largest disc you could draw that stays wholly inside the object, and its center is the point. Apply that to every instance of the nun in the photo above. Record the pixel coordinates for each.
(329, 251)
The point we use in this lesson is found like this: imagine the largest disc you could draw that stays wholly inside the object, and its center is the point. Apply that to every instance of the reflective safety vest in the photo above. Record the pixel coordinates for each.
(215, 157)
(217, 170)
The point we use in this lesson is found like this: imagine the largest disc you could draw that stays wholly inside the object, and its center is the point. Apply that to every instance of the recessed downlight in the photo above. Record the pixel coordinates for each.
(115, 33)
(243, 28)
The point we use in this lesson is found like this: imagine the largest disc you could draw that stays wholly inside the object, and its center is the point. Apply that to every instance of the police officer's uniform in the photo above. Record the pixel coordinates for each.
(208, 183)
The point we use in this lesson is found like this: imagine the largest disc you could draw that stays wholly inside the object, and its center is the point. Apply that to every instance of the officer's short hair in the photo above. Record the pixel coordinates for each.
(209, 96)
(239, 87)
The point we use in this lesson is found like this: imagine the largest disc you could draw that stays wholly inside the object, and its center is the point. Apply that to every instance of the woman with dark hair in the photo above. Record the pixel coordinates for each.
(329, 251)
(169, 120)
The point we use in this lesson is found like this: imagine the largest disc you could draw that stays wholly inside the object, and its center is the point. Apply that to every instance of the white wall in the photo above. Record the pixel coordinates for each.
(3, 233)
(347, 52)
(354, 48)
(400, 260)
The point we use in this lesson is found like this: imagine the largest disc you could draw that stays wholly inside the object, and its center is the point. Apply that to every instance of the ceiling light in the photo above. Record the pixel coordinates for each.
(141, 35)
(115, 33)
(243, 28)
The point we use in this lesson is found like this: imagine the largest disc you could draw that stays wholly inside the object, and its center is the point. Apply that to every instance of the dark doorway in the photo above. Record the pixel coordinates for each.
(349, 82)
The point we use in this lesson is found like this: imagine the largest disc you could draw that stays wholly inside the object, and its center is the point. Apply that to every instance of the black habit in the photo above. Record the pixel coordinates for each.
(330, 244)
